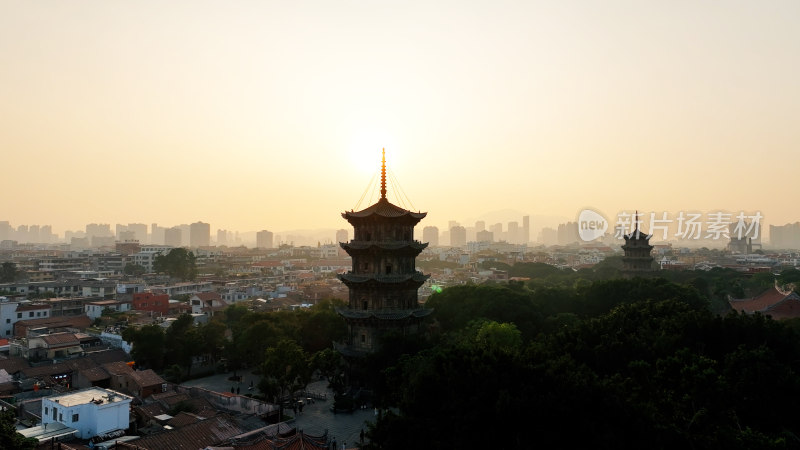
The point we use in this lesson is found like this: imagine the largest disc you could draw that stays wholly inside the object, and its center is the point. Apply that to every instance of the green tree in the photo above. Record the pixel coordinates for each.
(183, 342)
(212, 336)
(133, 269)
(174, 373)
(499, 336)
(8, 272)
(148, 345)
(330, 364)
(178, 263)
(320, 327)
(285, 369)
(456, 306)
(9, 437)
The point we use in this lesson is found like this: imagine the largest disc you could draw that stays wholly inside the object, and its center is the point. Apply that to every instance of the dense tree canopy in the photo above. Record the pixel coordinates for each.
(148, 345)
(636, 363)
(10, 439)
(286, 368)
(177, 263)
(8, 272)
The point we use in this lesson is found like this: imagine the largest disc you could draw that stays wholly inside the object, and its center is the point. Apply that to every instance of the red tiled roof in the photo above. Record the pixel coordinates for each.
(296, 441)
(60, 339)
(267, 264)
(170, 399)
(33, 306)
(107, 356)
(206, 296)
(151, 410)
(145, 378)
(759, 303)
(184, 418)
(212, 431)
(80, 322)
(80, 363)
(94, 374)
(46, 370)
(13, 364)
(117, 368)
(787, 308)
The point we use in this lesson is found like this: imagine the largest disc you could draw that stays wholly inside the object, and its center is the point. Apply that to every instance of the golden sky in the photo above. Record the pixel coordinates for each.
(271, 115)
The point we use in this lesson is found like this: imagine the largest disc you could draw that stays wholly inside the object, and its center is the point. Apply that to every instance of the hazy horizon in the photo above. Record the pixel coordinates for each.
(265, 115)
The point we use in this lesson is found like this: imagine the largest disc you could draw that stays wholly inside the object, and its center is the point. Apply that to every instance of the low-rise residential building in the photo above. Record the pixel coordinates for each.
(95, 309)
(207, 303)
(47, 347)
(13, 311)
(141, 383)
(105, 289)
(148, 301)
(175, 290)
(92, 412)
(147, 255)
(68, 306)
(74, 324)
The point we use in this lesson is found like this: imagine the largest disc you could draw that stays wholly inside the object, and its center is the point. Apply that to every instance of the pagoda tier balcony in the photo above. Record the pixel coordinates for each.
(353, 278)
(383, 245)
(404, 248)
(382, 314)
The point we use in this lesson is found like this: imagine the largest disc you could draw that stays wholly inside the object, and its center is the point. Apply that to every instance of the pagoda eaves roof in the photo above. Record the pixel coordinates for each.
(383, 208)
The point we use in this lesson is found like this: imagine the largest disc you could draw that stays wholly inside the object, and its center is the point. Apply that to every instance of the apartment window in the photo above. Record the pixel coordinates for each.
(366, 304)
(30, 314)
(19, 315)
(8, 332)
(363, 338)
(8, 320)
(46, 412)
(44, 313)
(38, 314)
(74, 417)
(55, 413)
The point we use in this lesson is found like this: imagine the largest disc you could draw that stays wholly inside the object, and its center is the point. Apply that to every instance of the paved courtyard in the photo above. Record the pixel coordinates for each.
(316, 416)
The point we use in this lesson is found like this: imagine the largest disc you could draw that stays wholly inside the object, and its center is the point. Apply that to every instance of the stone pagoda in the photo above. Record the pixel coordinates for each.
(383, 282)
(637, 250)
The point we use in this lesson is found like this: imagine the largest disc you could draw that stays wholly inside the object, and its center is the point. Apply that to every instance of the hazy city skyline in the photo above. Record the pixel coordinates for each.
(272, 115)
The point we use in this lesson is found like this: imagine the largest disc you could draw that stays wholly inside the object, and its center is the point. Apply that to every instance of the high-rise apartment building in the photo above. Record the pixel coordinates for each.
(484, 236)
(264, 239)
(458, 236)
(431, 236)
(172, 237)
(199, 235)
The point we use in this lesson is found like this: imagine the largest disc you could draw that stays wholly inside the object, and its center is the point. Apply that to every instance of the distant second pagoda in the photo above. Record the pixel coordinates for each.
(383, 282)
(637, 248)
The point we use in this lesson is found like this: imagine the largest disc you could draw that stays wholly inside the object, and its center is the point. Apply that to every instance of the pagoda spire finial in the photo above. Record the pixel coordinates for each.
(383, 175)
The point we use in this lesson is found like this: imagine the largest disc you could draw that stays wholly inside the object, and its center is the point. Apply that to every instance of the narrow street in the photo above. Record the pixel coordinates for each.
(316, 417)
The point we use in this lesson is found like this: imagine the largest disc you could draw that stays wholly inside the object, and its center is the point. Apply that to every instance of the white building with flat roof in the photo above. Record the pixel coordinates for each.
(93, 412)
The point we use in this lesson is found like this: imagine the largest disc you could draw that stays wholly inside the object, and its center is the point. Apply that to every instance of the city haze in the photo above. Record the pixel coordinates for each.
(252, 116)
